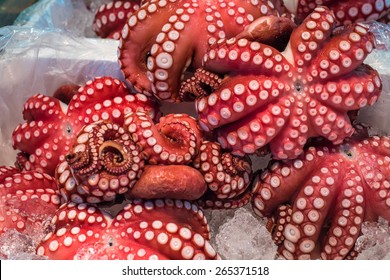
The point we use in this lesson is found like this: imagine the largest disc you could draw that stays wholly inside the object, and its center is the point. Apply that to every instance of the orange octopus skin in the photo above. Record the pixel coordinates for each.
(332, 190)
(165, 39)
(143, 230)
(284, 98)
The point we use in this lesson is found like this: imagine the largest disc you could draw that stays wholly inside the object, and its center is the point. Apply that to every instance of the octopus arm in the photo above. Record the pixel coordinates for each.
(175, 139)
(359, 10)
(290, 141)
(353, 91)
(346, 220)
(309, 213)
(375, 173)
(170, 57)
(26, 140)
(227, 176)
(210, 201)
(276, 186)
(255, 130)
(237, 98)
(331, 124)
(137, 38)
(242, 15)
(7, 171)
(172, 212)
(41, 107)
(243, 56)
(173, 241)
(308, 39)
(343, 53)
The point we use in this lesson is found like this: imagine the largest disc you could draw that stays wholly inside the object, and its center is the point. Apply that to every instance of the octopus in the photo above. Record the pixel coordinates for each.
(46, 136)
(147, 160)
(316, 204)
(285, 98)
(143, 230)
(157, 47)
(346, 12)
(28, 200)
(111, 17)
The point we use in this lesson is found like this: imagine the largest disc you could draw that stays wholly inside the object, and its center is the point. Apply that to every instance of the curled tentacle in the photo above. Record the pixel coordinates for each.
(226, 175)
(103, 162)
(174, 140)
(201, 84)
(210, 201)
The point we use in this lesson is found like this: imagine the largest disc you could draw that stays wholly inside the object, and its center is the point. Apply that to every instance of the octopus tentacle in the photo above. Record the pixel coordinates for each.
(357, 90)
(346, 12)
(347, 220)
(236, 99)
(289, 142)
(199, 85)
(344, 52)
(276, 225)
(280, 181)
(244, 56)
(175, 139)
(227, 176)
(159, 229)
(97, 97)
(328, 118)
(308, 39)
(210, 201)
(255, 130)
(103, 162)
(111, 17)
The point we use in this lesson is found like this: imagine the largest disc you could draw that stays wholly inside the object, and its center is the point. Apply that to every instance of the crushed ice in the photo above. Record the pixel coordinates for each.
(239, 234)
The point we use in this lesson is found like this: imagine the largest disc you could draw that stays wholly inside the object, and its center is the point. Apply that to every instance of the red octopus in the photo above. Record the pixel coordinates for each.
(284, 98)
(345, 11)
(51, 125)
(111, 17)
(318, 202)
(169, 159)
(28, 199)
(164, 40)
(158, 229)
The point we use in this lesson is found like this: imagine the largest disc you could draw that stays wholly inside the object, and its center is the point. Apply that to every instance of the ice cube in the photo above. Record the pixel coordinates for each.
(374, 243)
(17, 246)
(239, 234)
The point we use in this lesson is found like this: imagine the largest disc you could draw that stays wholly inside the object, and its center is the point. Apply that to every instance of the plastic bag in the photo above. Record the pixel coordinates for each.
(68, 15)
